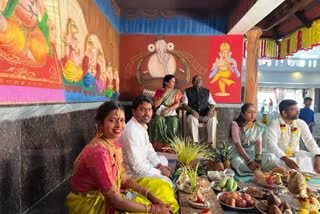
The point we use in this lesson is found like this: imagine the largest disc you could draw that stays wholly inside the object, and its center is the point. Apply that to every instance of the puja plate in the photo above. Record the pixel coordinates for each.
(237, 208)
(198, 205)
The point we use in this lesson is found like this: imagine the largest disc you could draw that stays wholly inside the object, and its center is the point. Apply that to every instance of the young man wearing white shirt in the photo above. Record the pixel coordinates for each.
(285, 134)
(198, 102)
(140, 159)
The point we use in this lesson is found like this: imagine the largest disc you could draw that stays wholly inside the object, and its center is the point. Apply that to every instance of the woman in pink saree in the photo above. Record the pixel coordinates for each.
(99, 180)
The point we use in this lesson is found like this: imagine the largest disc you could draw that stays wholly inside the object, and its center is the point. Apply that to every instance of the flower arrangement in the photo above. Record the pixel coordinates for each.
(290, 141)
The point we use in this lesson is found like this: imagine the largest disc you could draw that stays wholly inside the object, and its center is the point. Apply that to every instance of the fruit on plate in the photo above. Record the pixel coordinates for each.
(241, 203)
(273, 209)
(273, 200)
(227, 184)
(231, 202)
(284, 206)
(246, 196)
(236, 199)
(297, 183)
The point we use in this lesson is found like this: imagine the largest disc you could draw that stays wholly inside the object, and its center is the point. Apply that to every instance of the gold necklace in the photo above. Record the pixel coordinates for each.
(115, 157)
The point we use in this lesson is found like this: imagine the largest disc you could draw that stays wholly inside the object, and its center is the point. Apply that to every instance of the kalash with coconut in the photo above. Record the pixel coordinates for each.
(188, 156)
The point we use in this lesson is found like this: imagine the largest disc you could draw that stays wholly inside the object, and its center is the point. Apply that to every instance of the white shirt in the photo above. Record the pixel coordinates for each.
(185, 99)
(277, 148)
(139, 157)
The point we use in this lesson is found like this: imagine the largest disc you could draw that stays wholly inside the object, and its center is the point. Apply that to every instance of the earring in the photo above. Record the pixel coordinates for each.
(98, 132)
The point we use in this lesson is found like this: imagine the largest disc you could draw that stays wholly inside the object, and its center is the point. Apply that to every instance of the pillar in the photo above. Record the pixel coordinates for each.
(251, 85)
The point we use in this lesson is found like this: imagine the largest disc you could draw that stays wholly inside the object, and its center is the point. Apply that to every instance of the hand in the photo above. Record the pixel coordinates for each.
(154, 199)
(165, 171)
(162, 209)
(290, 163)
(165, 111)
(195, 114)
(311, 124)
(317, 164)
(211, 113)
(253, 165)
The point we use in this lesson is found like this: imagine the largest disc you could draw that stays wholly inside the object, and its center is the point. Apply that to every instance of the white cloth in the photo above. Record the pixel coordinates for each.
(139, 157)
(277, 148)
(170, 113)
(193, 123)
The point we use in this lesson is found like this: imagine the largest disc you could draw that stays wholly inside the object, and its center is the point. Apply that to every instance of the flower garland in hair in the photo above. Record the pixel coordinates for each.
(290, 141)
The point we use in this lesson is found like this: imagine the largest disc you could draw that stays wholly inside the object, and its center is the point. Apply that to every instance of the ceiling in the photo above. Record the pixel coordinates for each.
(281, 22)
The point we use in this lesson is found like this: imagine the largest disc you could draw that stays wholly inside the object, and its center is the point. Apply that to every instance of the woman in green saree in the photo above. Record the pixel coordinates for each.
(248, 153)
(165, 126)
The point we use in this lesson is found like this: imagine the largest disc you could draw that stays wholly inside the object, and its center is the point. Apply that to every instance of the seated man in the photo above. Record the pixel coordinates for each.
(285, 134)
(198, 102)
(140, 159)
(141, 162)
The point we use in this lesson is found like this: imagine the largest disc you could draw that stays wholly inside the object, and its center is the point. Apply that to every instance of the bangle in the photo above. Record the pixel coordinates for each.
(258, 160)
(146, 193)
(146, 208)
(258, 156)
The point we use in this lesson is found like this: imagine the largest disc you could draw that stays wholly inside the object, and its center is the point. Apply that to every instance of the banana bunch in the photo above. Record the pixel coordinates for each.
(226, 185)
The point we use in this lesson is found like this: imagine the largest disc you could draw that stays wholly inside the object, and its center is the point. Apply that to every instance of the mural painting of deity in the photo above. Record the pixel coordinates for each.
(225, 68)
(48, 55)
(162, 58)
(28, 59)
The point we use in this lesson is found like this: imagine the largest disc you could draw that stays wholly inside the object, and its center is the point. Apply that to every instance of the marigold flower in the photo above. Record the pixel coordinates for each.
(294, 130)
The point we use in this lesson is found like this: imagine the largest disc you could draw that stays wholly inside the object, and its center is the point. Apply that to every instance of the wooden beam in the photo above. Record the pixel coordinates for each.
(285, 14)
(303, 19)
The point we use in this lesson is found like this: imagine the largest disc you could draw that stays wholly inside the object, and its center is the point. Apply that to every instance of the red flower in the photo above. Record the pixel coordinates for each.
(294, 129)
(283, 126)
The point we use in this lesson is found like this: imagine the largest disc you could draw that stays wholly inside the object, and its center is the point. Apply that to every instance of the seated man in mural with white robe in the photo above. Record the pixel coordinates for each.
(285, 133)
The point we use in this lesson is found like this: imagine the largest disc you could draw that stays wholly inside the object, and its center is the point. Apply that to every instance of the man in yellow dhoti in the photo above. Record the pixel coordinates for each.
(223, 68)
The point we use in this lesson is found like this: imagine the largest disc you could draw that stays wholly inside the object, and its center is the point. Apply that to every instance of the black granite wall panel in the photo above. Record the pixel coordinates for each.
(10, 167)
(51, 144)
(225, 116)
(37, 154)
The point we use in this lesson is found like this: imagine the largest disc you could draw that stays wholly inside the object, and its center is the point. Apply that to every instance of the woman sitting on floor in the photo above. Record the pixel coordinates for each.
(99, 179)
(247, 153)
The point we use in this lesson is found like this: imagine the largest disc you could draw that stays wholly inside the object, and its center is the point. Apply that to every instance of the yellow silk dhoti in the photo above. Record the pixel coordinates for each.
(94, 202)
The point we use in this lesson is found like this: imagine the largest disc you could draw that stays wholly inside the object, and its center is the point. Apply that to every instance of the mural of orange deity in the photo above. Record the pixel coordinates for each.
(22, 32)
(222, 70)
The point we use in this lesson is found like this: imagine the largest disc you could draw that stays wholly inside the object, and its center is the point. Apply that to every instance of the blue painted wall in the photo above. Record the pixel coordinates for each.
(179, 25)
(109, 13)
